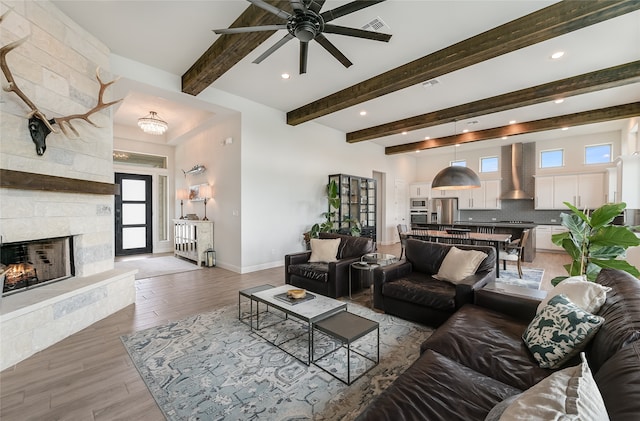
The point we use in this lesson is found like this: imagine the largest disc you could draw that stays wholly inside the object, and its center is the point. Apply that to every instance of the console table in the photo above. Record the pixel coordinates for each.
(192, 238)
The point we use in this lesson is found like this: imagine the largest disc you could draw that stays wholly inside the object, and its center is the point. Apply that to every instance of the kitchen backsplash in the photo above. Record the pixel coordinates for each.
(513, 210)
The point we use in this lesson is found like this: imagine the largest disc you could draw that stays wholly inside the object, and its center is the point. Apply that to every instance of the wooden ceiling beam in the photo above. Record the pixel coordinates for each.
(229, 49)
(544, 24)
(586, 117)
(612, 77)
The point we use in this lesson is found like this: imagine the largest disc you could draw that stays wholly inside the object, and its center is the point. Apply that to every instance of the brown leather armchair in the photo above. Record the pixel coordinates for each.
(328, 279)
(408, 289)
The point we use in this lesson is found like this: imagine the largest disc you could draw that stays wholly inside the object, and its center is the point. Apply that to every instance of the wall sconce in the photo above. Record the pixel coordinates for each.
(182, 195)
(205, 193)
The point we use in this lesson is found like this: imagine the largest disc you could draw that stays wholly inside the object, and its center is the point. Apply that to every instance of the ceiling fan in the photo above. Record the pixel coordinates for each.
(306, 23)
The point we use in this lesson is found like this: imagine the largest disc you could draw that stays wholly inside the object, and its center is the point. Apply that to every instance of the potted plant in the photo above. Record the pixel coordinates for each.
(327, 225)
(594, 243)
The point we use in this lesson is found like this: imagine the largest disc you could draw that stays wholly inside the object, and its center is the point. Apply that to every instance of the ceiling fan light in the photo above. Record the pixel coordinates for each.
(456, 178)
(152, 124)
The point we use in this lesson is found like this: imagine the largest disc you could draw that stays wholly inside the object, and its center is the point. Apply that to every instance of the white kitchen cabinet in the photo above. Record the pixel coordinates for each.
(544, 192)
(420, 190)
(543, 237)
(485, 197)
(584, 191)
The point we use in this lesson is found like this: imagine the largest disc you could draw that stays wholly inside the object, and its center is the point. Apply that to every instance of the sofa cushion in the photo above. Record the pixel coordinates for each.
(619, 382)
(488, 342)
(571, 393)
(315, 271)
(560, 331)
(621, 312)
(425, 257)
(324, 250)
(437, 388)
(423, 290)
(459, 264)
(589, 296)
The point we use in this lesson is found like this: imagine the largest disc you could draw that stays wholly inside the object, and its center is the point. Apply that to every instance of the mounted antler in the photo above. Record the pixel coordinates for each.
(39, 125)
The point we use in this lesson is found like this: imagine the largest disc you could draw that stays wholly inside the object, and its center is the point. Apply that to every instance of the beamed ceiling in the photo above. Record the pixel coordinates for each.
(489, 61)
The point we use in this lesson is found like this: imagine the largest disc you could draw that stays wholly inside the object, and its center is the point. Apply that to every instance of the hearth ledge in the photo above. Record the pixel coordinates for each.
(36, 319)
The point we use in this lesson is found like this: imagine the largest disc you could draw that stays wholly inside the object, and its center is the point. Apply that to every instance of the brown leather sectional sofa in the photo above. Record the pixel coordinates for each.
(477, 358)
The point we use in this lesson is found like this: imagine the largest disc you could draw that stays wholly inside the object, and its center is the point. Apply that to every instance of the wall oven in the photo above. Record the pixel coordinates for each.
(419, 219)
(419, 204)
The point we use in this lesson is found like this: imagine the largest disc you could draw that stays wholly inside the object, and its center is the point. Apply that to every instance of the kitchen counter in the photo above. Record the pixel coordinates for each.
(497, 224)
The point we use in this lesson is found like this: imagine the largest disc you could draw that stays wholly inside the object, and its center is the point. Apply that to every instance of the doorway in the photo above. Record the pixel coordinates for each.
(133, 215)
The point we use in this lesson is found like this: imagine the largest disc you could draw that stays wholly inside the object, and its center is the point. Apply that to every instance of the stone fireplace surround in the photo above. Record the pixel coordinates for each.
(56, 66)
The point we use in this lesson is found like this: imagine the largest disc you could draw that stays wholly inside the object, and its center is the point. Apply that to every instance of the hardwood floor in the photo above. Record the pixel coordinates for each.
(89, 375)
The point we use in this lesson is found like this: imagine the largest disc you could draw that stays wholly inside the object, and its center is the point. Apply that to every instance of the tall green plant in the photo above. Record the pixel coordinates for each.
(333, 198)
(593, 243)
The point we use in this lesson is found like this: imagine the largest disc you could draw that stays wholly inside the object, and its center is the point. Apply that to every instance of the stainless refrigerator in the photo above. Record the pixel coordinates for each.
(445, 210)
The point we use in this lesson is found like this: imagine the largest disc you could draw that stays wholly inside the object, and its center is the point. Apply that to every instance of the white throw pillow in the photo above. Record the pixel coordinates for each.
(569, 394)
(324, 250)
(589, 296)
(459, 264)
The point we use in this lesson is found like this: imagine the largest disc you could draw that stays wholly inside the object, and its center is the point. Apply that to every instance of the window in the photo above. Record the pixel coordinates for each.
(138, 159)
(489, 164)
(459, 163)
(597, 154)
(552, 158)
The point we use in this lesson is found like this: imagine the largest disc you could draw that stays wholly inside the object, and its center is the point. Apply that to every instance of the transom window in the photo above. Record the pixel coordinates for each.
(552, 158)
(489, 164)
(597, 154)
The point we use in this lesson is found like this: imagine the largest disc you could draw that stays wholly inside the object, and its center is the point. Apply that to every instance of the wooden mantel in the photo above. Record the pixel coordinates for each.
(11, 179)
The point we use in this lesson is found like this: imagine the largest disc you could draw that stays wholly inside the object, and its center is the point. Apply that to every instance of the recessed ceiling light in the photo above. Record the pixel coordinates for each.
(427, 137)
(559, 101)
(505, 137)
(465, 131)
(285, 75)
(557, 55)
(565, 128)
(512, 122)
(363, 113)
(418, 151)
(404, 133)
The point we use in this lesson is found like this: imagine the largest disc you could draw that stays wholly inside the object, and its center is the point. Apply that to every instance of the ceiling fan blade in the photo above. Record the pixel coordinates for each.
(273, 48)
(304, 53)
(269, 8)
(355, 32)
(354, 6)
(333, 50)
(250, 29)
(316, 5)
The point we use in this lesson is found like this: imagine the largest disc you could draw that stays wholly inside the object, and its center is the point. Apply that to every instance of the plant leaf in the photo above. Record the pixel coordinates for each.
(605, 214)
(618, 264)
(577, 212)
(606, 252)
(615, 235)
(555, 281)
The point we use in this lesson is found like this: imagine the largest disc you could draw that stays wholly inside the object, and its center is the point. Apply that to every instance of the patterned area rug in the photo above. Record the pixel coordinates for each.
(211, 367)
(531, 278)
(157, 266)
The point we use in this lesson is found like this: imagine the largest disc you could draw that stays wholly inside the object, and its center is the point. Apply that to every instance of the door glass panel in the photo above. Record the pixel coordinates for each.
(163, 219)
(133, 213)
(133, 238)
(133, 190)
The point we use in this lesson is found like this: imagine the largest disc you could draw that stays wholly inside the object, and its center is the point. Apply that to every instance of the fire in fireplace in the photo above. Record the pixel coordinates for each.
(33, 263)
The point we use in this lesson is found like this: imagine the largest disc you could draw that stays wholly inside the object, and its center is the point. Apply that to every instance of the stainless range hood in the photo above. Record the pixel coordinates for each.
(514, 179)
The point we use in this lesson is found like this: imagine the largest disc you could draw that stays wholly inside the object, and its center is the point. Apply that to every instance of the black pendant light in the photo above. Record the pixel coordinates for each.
(456, 177)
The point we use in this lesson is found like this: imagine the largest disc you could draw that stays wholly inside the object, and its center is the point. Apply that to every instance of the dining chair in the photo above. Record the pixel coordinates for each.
(514, 251)
(484, 230)
(402, 233)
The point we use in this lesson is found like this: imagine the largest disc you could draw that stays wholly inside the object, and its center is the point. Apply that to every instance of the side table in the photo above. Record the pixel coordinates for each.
(367, 264)
(247, 293)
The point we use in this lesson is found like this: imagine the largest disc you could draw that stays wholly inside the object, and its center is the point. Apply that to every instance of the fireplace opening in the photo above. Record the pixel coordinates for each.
(28, 264)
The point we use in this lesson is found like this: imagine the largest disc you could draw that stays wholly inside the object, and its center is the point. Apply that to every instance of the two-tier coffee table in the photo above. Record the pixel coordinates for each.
(316, 308)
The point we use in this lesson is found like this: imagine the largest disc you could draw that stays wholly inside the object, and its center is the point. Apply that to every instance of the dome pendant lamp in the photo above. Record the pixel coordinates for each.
(456, 177)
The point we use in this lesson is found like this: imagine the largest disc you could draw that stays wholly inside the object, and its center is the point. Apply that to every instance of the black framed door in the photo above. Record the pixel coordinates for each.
(133, 213)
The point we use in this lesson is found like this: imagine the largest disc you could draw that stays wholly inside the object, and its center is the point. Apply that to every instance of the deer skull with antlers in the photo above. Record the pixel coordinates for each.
(39, 125)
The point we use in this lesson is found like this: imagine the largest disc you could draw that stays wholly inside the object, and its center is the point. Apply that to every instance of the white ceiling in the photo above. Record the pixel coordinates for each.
(172, 35)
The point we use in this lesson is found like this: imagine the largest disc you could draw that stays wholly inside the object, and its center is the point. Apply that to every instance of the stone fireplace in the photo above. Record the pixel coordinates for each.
(67, 193)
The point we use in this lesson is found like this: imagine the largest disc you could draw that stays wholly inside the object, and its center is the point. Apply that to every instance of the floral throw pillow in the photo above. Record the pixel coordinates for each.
(560, 331)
